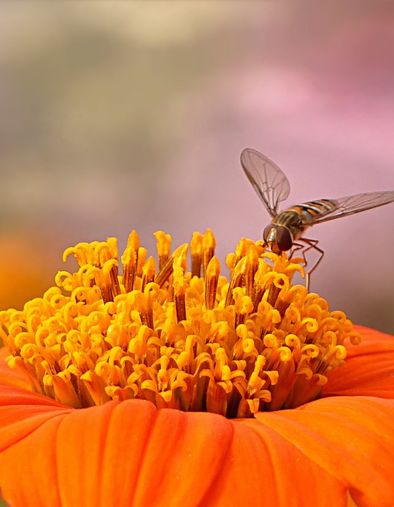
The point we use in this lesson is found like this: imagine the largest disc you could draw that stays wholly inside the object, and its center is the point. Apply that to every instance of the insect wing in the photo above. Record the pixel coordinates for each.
(355, 204)
(268, 180)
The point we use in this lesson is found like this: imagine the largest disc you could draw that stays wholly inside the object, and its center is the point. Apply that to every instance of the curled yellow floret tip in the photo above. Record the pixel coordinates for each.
(181, 337)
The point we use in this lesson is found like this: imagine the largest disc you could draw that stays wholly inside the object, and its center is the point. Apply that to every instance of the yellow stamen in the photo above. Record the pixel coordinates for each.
(163, 247)
(129, 260)
(211, 282)
(233, 346)
(196, 251)
(208, 248)
(148, 272)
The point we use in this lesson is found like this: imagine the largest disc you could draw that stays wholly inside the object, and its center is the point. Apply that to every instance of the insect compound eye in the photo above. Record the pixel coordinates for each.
(284, 239)
(266, 232)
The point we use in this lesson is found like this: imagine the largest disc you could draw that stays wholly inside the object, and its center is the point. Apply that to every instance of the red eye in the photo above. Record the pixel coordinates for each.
(266, 232)
(283, 239)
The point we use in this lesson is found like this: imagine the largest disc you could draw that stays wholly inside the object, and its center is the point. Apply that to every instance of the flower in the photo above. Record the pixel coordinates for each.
(165, 386)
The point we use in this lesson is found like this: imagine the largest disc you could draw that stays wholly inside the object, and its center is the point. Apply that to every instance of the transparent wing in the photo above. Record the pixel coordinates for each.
(267, 179)
(355, 203)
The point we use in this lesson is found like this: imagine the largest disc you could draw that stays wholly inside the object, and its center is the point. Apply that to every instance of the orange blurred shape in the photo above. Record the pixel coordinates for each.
(26, 267)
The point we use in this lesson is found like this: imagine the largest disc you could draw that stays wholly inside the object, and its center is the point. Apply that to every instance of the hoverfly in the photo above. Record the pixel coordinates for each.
(285, 232)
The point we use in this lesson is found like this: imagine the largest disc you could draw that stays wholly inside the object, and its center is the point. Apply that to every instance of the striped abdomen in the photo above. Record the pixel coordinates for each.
(301, 216)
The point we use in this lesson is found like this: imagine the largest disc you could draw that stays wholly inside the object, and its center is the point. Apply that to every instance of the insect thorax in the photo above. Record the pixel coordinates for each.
(291, 219)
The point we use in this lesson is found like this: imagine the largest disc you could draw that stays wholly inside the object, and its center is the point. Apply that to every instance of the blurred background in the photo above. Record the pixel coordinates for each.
(121, 115)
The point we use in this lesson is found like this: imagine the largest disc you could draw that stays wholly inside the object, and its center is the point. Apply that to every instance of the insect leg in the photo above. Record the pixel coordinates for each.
(296, 248)
(311, 245)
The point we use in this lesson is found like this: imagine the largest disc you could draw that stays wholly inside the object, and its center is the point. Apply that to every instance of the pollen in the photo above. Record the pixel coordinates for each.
(188, 338)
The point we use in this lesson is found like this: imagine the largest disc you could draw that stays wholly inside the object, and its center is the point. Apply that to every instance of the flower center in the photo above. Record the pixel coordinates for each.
(191, 340)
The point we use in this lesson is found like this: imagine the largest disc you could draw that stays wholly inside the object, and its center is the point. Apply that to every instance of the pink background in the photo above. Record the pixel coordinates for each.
(121, 115)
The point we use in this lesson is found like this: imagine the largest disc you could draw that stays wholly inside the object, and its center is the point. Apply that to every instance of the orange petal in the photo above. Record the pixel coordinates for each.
(263, 468)
(349, 438)
(28, 422)
(130, 453)
(11, 376)
(368, 369)
(22, 412)
(114, 454)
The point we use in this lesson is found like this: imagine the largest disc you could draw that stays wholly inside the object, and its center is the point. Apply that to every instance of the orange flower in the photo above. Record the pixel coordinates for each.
(172, 388)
